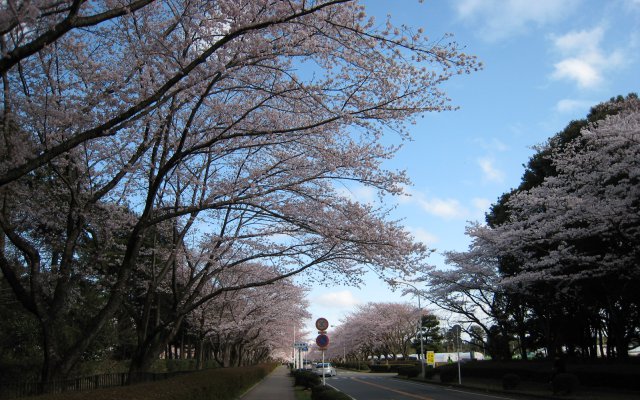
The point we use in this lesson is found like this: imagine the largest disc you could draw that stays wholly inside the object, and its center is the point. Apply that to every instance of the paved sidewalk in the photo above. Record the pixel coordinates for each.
(278, 385)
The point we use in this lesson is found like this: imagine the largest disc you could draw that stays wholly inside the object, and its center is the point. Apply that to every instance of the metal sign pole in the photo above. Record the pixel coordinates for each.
(323, 381)
(459, 374)
(300, 363)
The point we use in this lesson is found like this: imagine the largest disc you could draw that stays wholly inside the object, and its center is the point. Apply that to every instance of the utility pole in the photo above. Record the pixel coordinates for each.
(457, 329)
(421, 357)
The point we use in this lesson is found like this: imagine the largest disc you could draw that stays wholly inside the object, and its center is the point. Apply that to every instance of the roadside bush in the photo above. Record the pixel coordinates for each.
(380, 368)
(389, 368)
(448, 374)
(429, 371)
(397, 367)
(510, 381)
(321, 392)
(565, 383)
(410, 371)
(361, 366)
(213, 384)
(305, 378)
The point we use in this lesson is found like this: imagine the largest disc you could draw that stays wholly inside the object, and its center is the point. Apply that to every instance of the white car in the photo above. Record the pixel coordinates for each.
(327, 368)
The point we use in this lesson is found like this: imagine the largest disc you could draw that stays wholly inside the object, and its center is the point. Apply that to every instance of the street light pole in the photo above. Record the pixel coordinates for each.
(421, 341)
(458, 330)
(459, 374)
(421, 358)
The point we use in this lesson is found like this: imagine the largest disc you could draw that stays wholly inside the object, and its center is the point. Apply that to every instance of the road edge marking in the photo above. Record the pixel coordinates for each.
(415, 396)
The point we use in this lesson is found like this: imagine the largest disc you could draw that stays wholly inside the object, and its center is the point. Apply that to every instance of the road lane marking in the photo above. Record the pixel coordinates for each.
(415, 396)
(480, 394)
(352, 398)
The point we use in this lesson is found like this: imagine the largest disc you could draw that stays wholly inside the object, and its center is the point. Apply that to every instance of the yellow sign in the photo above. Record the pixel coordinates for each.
(431, 357)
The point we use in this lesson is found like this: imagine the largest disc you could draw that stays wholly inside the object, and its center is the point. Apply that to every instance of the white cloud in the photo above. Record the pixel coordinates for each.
(490, 172)
(494, 144)
(501, 19)
(581, 71)
(443, 208)
(583, 59)
(421, 235)
(632, 4)
(570, 106)
(481, 204)
(340, 299)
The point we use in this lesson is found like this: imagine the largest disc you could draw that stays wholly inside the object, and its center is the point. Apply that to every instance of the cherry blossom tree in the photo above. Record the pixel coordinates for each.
(471, 290)
(573, 237)
(120, 62)
(221, 128)
(382, 329)
(250, 326)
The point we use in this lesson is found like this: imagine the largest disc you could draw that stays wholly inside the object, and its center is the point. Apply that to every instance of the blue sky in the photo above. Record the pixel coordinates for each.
(546, 62)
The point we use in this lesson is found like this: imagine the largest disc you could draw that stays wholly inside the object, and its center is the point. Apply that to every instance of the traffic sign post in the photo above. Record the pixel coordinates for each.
(322, 340)
(300, 347)
(431, 358)
(322, 324)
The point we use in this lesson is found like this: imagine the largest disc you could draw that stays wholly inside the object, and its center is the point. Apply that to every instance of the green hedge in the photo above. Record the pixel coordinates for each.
(510, 381)
(305, 378)
(321, 392)
(599, 373)
(565, 383)
(448, 374)
(361, 366)
(389, 368)
(214, 384)
(410, 371)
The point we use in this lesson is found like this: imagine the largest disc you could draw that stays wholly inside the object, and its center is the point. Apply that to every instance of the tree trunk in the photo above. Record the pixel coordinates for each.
(200, 353)
(149, 350)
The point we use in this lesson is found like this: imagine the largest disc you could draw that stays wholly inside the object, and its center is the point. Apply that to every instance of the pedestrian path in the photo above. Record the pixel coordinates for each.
(278, 385)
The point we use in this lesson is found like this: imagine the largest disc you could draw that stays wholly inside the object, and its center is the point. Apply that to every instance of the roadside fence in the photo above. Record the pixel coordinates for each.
(11, 390)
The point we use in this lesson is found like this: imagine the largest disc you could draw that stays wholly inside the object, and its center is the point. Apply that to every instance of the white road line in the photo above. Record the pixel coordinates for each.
(335, 388)
(480, 394)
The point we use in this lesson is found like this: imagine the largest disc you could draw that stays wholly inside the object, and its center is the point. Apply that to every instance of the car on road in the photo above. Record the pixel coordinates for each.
(327, 368)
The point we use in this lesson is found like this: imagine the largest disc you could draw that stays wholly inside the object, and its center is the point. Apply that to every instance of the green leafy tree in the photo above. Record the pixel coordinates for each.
(431, 334)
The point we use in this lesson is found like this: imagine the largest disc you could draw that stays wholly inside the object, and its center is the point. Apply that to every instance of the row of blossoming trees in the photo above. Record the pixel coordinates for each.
(159, 156)
(557, 267)
(383, 331)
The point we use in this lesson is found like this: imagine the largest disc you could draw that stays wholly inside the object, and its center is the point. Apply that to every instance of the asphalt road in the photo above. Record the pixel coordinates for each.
(370, 386)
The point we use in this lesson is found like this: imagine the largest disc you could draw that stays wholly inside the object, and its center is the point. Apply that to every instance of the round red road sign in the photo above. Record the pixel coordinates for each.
(322, 324)
(322, 341)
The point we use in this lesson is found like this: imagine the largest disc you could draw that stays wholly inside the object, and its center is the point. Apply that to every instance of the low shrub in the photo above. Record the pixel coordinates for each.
(565, 383)
(448, 374)
(410, 371)
(397, 367)
(380, 368)
(510, 381)
(213, 384)
(429, 371)
(361, 366)
(322, 392)
(389, 367)
(305, 378)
